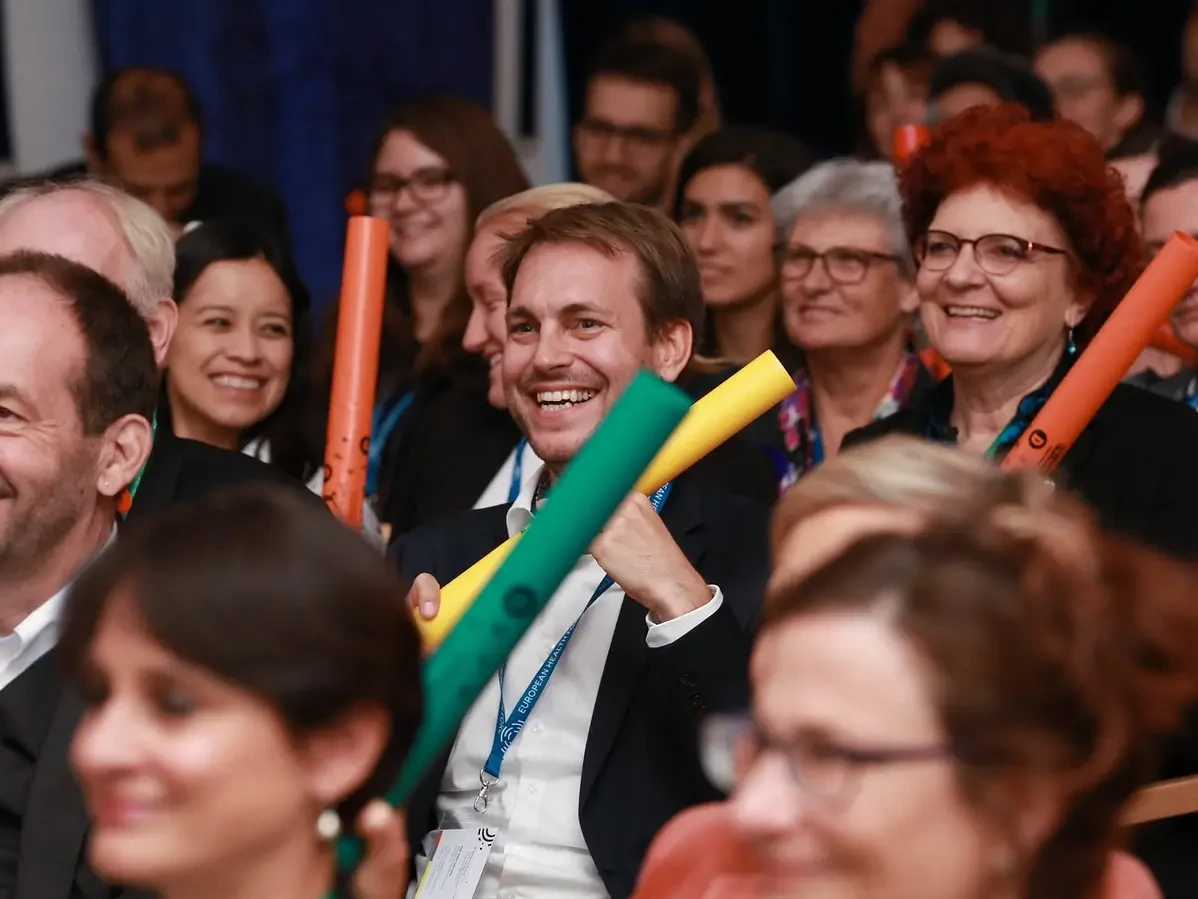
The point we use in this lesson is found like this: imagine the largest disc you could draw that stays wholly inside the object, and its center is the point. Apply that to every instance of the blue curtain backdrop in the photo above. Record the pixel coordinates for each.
(293, 90)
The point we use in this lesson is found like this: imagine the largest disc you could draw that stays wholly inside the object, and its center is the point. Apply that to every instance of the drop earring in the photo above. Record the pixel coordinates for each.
(328, 825)
(1070, 346)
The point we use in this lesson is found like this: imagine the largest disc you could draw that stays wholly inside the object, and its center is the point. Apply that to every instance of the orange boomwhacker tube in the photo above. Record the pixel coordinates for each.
(1106, 360)
(1166, 341)
(355, 370)
(909, 140)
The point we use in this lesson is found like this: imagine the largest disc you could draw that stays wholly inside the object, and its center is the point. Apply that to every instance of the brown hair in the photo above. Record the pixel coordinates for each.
(483, 162)
(669, 290)
(264, 588)
(1057, 655)
(119, 375)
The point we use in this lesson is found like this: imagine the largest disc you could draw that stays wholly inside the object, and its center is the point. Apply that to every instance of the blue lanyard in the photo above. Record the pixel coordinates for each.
(508, 727)
(381, 427)
(513, 489)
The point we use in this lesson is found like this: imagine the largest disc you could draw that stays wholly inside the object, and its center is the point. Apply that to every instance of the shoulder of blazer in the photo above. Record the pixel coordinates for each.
(448, 546)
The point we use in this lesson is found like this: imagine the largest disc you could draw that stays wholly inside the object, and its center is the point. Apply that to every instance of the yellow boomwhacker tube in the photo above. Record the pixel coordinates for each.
(727, 409)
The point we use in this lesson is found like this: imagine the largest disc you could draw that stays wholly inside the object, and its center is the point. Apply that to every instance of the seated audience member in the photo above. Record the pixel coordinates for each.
(1096, 82)
(471, 454)
(1005, 733)
(1025, 242)
(255, 661)
(848, 296)
(1168, 205)
(896, 94)
(663, 606)
(236, 374)
(439, 160)
(948, 27)
(123, 239)
(641, 103)
(453, 467)
(984, 76)
(145, 137)
(723, 207)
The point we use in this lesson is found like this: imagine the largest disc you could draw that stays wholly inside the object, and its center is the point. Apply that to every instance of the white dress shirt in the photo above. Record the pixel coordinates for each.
(35, 635)
(540, 852)
(499, 489)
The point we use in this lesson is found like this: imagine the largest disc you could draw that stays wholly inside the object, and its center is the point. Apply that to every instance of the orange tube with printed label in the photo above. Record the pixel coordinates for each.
(1106, 360)
(355, 370)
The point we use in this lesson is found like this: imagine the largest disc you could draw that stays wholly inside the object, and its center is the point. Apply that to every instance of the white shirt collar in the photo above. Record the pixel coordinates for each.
(519, 513)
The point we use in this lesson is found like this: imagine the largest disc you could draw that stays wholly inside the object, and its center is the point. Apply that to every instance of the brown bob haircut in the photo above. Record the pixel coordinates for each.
(265, 589)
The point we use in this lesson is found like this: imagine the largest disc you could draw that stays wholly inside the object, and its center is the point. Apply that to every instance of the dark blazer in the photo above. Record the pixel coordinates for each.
(641, 765)
(52, 859)
(456, 441)
(1137, 465)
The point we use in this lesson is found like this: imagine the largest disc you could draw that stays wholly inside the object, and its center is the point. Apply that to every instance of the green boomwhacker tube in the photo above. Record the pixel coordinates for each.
(586, 495)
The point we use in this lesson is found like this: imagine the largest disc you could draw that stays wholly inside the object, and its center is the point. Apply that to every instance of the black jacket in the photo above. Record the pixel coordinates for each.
(641, 765)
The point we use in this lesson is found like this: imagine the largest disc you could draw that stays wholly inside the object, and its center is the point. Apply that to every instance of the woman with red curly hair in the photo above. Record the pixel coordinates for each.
(1025, 243)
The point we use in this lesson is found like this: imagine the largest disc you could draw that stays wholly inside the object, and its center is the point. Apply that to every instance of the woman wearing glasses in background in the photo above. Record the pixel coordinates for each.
(438, 162)
(847, 300)
(1025, 243)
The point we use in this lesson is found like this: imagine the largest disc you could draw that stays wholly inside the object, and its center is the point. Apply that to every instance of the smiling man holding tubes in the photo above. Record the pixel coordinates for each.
(584, 744)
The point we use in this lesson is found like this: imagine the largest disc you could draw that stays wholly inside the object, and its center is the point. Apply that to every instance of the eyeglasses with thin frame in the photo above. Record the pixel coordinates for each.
(825, 771)
(637, 137)
(427, 186)
(844, 265)
(995, 254)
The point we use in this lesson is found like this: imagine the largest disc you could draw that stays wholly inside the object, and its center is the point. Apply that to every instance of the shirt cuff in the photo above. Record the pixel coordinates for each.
(664, 633)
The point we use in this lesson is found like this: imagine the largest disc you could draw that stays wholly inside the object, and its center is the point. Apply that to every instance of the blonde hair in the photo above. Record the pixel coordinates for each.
(145, 232)
(536, 201)
(925, 477)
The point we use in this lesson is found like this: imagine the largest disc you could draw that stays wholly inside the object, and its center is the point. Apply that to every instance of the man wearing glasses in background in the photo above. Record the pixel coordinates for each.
(642, 99)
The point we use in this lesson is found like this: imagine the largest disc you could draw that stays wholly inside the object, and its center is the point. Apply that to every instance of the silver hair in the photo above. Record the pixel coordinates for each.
(151, 277)
(850, 184)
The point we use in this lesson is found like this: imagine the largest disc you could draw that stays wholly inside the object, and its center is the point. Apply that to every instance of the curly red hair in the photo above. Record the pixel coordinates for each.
(1057, 166)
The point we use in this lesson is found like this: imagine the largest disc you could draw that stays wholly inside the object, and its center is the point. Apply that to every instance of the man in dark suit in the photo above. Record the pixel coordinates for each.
(109, 232)
(657, 619)
(145, 137)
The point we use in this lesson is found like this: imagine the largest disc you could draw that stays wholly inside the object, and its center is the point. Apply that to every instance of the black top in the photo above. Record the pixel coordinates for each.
(1134, 463)
(222, 193)
(641, 764)
(179, 470)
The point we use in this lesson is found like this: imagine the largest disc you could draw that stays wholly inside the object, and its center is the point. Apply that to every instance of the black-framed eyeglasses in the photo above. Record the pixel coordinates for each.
(428, 185)
(824, 770)
(844, 265)
(995, 254)
(635, 136)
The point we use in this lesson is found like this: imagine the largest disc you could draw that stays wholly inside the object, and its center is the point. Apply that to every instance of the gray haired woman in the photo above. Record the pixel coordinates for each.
(848, 295)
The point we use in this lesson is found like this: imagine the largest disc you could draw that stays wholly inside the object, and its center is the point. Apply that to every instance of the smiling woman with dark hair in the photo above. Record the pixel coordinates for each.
(251, 675)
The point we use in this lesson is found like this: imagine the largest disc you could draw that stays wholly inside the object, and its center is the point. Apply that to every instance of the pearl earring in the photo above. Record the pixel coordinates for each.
(328, 825)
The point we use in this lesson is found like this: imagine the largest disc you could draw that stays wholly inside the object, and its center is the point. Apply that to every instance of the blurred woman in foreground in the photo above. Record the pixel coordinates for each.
(892, 487)
(965, 711)
(251, 676)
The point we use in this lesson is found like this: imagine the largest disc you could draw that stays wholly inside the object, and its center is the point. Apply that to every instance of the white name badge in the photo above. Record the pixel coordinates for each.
(457, 865)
